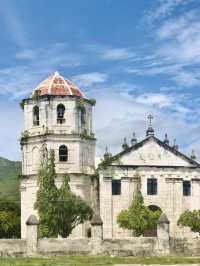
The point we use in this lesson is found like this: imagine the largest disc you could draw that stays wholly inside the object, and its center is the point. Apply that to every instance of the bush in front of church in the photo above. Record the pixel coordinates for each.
(138, 217)
(190, 219)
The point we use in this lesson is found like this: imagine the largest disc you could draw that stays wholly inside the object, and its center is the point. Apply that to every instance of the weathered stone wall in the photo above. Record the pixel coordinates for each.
(169, 198)
(12, 247)
(184, 246)
(133, 246)
(55, 246)
(144, 246)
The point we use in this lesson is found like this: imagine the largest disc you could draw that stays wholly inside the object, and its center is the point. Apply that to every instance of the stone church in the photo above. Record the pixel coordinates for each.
(58, 116)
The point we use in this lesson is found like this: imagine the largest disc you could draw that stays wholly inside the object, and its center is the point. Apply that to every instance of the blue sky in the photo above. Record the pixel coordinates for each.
(134, 57)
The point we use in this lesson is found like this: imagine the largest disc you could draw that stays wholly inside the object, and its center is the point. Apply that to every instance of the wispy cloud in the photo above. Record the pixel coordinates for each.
(11, 117)
(117, 54)
(128, 112)
(33, 66)
(14, 23)
(88, 79)
(111, 53)
(164, 8)
(156, 99)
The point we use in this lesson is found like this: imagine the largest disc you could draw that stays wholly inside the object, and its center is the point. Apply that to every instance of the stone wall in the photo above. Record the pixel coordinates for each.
(56, 246)
(133, 246)
(12, 247)
(185, 246)
(96, 245)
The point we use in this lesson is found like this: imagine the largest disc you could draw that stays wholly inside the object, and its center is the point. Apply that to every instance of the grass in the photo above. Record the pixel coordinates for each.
(94, 261)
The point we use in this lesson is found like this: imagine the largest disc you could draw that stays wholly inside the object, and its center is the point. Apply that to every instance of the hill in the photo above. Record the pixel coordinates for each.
(9, 181)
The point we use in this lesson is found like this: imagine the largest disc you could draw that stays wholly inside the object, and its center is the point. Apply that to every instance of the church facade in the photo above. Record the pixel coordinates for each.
(170, 182)
(58, 116)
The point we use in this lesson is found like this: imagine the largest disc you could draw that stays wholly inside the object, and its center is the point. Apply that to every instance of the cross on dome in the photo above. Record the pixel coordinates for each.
(150, 130)
(150, 118)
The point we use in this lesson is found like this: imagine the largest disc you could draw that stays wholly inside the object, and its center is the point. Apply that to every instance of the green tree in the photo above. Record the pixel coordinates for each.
(59, 209)
(138, 217)
(9, 219)
(190, 219)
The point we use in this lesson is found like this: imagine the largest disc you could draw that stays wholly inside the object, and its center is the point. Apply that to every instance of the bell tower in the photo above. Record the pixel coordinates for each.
(59, 117)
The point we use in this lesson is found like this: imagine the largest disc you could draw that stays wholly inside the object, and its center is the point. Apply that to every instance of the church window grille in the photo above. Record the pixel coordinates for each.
(186, 188)
(60, 114)
(36, 116)
(63, 154)
(151, 186)
(116, 187)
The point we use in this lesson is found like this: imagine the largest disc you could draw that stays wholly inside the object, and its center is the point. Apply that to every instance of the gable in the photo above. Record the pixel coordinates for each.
(152, 153)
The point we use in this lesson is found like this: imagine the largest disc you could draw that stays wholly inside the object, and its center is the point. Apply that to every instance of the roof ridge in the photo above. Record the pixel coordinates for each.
(175, 152)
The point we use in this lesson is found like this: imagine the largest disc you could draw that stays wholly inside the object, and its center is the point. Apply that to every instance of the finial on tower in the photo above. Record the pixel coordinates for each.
(150, 130)
(107, 154)
(175, 147)
(56, 73)
(134, 139)
(166, 140)
(125, 145)
(193, 155)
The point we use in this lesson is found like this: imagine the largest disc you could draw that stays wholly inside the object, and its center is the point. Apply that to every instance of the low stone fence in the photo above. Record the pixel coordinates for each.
(185, 246)
(62, 246)
(12, 247)
(162, 245)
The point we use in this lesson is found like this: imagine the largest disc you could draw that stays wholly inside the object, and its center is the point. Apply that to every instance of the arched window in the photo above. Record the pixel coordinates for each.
(63, 153)
(152, 232)
(60, 114)
(36, 116)
(83, 117)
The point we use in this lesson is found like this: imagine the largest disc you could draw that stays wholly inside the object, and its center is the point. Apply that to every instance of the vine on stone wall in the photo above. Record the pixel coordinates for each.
(25, 135)
(85, 135)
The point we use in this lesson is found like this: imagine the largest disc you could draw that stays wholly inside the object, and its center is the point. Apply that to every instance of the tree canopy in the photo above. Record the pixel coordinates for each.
(190, 219)
(9, 219)
(138, 217)
(60, 210)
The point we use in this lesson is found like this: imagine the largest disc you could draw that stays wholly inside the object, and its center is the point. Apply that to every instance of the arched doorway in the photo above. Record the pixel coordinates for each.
(153, 232)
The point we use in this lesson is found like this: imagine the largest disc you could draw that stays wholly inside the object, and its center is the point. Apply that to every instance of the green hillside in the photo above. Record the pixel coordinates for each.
(9, 181)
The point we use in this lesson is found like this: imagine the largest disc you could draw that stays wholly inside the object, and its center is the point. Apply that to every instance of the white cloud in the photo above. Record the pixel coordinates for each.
(14, 23)
(26, 54)
(164, 8)
(20, 80)
(128, 113)
(181, 39)
(118, 54)
(112, 53)
(176, 52)
(11, 120)
(161, 100)
(186, 79)
(88, 79)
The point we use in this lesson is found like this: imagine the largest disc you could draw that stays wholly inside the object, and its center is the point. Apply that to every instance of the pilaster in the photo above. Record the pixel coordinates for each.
(106, 205)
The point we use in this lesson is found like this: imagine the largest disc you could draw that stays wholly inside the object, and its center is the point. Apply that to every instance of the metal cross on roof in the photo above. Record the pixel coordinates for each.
(150, 118)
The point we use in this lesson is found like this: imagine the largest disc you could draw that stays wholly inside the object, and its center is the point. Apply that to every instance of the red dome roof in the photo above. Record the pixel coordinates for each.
(58, 85)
